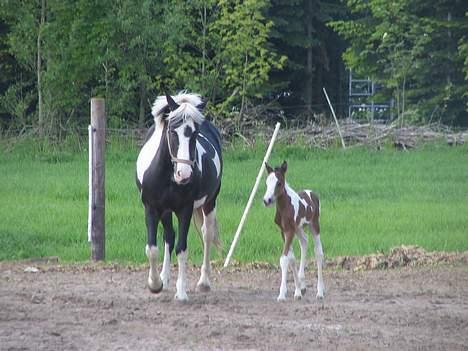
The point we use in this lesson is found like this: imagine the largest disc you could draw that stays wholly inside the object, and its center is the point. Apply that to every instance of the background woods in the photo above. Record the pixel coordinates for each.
(55, 55)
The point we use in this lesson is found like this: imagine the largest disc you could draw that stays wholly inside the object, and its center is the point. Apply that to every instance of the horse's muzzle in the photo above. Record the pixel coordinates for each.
(183, 181)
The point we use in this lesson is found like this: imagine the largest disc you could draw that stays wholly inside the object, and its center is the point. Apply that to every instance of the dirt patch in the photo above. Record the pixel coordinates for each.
(107, 307)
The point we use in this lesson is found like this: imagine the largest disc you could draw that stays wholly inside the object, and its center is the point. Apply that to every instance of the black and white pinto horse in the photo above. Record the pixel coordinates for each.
(179, 171)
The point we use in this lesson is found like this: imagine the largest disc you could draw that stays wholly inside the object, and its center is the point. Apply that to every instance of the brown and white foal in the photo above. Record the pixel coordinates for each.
(293, 212)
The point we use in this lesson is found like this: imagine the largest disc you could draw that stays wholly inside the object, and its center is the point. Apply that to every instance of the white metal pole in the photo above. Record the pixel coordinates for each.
(90, 180)
(252, 195)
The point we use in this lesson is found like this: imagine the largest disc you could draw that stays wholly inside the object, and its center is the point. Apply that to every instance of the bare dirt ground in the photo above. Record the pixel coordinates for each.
(107, 307)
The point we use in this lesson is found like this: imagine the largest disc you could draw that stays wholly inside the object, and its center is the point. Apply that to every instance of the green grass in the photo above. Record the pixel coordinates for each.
(371, 201)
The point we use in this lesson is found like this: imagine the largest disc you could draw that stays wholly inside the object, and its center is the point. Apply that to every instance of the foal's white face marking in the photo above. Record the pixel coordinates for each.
(183, 171)
(149, 150)
(269, 197)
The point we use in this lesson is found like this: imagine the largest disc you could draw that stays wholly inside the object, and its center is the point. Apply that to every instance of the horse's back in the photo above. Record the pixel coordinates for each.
(213, 135)
(211, 162)
(311, 199)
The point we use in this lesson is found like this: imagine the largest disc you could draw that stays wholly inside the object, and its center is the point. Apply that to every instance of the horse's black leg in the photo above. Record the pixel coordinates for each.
(152, 220)
(184, 216)
(169, 240)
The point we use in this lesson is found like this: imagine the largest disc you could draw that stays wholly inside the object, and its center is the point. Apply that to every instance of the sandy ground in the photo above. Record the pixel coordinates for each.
(107, 307)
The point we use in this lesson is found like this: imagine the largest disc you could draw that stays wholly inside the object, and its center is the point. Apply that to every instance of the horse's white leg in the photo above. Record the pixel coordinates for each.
(319, 258)
(208, 229)
(154, 282)
(284, 261)
(166, 268)
(181, 284)
(292, 261)
(303, 241)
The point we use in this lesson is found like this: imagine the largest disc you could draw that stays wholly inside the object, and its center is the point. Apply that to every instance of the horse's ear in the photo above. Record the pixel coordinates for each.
(171, 103)
(284, 166)
(268, 168)
(201, 106)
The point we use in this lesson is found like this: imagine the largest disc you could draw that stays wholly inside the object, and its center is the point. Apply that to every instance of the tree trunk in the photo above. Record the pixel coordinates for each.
(204, 27)
(309, 65)
(40, 97)
(141, 118)
(244, 85)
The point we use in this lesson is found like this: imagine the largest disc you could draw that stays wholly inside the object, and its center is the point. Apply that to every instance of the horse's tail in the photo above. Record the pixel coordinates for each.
(198, 222)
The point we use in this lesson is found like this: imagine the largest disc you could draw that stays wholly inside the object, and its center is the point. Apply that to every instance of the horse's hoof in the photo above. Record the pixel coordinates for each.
(154, 288)
(303, 291)
(181, 298)
(319, 296)
(297, 297)
(281, 299)
(203, 288)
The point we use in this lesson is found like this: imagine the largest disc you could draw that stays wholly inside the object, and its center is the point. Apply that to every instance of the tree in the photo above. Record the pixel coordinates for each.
(410, 48)
(243, 52)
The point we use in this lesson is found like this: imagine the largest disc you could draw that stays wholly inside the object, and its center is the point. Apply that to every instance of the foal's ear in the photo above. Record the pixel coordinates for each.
(284, 166)
(268, 168)
(171, 103)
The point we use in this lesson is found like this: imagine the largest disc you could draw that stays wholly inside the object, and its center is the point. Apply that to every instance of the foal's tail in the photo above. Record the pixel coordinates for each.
(198, 222)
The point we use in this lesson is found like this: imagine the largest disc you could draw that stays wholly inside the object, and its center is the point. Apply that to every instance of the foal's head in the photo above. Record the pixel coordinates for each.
(275, 183)
(183, 121)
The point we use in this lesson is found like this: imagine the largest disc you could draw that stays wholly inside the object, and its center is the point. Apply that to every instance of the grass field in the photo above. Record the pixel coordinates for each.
(371, 201)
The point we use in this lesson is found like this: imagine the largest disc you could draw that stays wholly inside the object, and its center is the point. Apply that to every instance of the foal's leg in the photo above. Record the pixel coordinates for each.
(209, 232)
(292, 260)
(184, 217)
(284, 263)
(154, 282)
(169, 239)
(315, 228)
(303, 243)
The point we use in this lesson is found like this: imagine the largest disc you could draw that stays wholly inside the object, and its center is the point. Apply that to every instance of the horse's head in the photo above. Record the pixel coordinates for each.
(275, 183)
(183, 124)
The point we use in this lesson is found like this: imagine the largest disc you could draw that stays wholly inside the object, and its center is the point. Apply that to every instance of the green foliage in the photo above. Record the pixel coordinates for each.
(128, 51)
(410, 47)
(243, 36)
(370, 200)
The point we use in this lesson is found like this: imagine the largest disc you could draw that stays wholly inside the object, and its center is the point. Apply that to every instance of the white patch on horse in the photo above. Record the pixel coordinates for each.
(160, 103)
(216, 160)
(200, 202)
(181, 284)
(271, 181)
(200, 152)
(149, 150)
(184, 171)
(166, 268)
(295, 199)
(154, 281)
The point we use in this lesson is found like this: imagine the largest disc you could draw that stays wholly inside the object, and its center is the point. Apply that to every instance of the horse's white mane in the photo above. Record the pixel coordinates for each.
(187, 107)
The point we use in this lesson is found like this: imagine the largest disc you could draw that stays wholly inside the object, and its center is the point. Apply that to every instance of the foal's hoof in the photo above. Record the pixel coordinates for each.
(155, 287)
(203, 288)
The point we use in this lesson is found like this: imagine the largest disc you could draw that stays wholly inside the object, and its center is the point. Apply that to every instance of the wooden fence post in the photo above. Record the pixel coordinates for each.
(97, 224)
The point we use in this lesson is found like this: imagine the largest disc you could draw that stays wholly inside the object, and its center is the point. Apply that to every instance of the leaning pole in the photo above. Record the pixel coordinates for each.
(252, 195)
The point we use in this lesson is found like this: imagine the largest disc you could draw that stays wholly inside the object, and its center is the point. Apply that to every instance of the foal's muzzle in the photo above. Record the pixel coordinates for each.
(267, 202)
